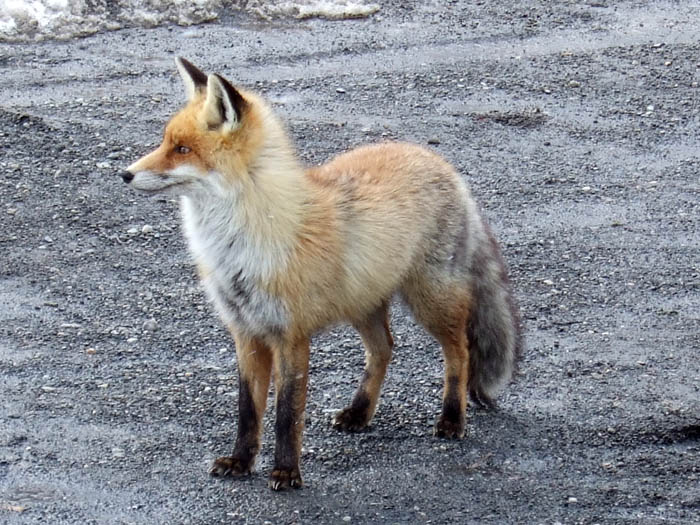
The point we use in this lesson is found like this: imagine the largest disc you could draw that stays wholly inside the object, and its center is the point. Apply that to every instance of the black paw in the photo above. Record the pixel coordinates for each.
(282, 479)
(448, 429)
(230, 466)
(350, 420)
(482, 401)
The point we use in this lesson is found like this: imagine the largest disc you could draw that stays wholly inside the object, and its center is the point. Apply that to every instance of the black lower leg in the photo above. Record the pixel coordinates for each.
(288, 430)
(247, 438)
(356, 416)
(451, 421)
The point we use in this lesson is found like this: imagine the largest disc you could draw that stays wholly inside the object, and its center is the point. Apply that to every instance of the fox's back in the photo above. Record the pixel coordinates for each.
(397, 207)
(390, 185)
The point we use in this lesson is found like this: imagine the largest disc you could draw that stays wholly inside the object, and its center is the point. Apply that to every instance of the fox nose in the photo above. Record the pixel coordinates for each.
(127, 176)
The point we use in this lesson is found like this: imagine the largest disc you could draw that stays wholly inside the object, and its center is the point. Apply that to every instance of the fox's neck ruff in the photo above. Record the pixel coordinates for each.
(250, 222)
(242, 232)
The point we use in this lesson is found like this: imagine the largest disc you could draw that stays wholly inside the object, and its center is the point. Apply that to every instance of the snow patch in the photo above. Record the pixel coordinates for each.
(330, 9)
(27, 20)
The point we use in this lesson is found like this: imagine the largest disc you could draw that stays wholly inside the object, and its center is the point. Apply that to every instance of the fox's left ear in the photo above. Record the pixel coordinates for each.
(195, 81)
(224, 105)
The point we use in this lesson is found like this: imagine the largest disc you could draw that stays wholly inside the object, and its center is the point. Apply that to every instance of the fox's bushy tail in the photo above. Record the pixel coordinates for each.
(494, 331)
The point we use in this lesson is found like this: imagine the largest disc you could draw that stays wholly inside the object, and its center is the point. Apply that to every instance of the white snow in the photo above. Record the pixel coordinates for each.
(331, 9)
(26, 20)
(22, 20)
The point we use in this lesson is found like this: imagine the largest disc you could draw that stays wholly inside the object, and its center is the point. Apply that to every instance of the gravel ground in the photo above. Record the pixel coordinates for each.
(576, 125)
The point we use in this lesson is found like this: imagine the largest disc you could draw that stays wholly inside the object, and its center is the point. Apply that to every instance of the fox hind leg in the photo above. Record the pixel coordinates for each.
(443, 310)
(451, 422)
(378, 343)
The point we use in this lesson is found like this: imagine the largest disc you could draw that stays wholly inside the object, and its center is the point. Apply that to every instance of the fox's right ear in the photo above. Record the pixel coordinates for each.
(195, 81)
(224, 106)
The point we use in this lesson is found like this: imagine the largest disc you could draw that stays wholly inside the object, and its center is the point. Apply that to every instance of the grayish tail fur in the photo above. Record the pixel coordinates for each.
(494, 330)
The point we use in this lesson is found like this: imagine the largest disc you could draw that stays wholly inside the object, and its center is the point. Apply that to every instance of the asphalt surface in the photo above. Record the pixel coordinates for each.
(576, 125)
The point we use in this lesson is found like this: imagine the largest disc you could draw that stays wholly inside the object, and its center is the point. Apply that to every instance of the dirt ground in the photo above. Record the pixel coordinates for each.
(577, 126)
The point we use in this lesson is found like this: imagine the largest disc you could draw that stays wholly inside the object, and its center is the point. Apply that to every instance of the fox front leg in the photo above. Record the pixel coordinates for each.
(291, 376)
(254, 368)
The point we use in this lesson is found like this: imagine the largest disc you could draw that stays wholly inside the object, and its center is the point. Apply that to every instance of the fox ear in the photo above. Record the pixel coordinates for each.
(195, 81)
(224, 105)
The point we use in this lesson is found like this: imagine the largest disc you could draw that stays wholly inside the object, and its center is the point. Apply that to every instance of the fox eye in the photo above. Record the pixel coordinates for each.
(182, 150)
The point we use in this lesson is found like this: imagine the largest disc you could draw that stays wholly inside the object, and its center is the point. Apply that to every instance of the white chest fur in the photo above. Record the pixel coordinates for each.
(235, 261)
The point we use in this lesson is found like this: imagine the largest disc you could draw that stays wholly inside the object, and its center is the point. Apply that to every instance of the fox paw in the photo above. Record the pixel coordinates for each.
(482, 401)
(230, 466)
(445, 428)
(282, 479)
(350, 420)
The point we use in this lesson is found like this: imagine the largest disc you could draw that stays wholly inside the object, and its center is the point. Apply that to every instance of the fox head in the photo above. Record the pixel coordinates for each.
(211, 141)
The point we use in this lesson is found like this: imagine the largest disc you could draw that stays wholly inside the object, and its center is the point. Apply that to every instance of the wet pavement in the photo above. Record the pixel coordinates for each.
(576, 126)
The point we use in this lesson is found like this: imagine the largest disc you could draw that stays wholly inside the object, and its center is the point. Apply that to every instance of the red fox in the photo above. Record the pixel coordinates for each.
(284, 252)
